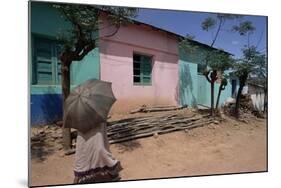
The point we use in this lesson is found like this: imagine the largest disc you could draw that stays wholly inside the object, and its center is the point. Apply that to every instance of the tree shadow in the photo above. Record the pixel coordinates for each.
(43, 144)
(186, 87)
(40, 151)
(128, 146)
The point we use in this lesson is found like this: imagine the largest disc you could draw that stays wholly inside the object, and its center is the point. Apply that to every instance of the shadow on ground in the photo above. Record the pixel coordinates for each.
(128, 146)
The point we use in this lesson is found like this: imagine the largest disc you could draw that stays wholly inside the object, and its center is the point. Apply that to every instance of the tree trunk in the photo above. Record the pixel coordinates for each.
(236, 110)
(218, 98)
(212, 98)
(213, 76)
(65, 69)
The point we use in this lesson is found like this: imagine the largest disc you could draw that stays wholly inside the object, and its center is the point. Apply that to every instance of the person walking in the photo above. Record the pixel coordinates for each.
(93, 159)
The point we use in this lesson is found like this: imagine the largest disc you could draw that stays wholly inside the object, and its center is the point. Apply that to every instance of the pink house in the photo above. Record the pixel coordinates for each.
(142, 64)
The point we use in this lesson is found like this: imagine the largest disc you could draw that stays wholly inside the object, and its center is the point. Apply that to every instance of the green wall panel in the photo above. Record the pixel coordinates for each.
(47, 22)
(193, 87)
(188, 84)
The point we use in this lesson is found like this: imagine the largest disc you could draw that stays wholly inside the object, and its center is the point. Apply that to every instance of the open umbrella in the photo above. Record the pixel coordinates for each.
(88, 105)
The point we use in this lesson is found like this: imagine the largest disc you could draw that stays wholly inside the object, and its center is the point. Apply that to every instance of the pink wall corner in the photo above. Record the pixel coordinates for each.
(116, 59)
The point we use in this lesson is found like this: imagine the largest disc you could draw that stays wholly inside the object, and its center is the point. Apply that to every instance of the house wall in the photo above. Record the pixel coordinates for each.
(116, 57)
(194, 88)
(46, 100)
(257, 96)
(188, 79)
(258, 101)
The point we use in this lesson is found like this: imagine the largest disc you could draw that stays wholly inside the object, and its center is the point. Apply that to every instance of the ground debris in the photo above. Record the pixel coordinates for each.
(146, 109)
(121, 131)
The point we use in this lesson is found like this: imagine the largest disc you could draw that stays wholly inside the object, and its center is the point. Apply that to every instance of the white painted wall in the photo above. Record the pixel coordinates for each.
(258, 101)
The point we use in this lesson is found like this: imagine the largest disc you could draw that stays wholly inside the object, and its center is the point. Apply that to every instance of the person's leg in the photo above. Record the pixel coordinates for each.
(105, 138)
(76, 179)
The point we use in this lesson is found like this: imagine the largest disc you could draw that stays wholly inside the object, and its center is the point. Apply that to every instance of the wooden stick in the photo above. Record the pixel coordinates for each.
(172, 129)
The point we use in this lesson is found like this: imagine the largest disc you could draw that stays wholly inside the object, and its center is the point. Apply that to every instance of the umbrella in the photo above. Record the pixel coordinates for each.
(88, 105)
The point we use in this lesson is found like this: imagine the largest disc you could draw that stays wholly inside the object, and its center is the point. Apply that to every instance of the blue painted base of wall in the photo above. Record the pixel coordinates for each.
(45, 108)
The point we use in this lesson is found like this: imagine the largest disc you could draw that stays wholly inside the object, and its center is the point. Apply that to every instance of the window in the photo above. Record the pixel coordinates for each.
(142, 69)
(46, 67)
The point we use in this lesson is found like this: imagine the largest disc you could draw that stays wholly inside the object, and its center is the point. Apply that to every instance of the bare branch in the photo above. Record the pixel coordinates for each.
(217, 33)
(206, 74)
(85, 51)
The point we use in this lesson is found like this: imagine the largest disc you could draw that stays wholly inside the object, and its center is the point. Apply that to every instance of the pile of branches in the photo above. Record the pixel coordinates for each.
(129, 129)
(146, 109)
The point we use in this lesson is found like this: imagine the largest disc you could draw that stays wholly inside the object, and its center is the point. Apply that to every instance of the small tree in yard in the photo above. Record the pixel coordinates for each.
(251, 60)
(221, 62)
(81, 39)
(211, 57)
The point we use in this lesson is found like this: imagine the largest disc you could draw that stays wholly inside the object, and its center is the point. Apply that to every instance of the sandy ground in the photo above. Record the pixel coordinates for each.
(229, 147)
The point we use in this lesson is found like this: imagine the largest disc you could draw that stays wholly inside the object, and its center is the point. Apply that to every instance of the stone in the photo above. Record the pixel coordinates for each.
(69, 152)
(216, 122)
(155, 135)
(61, 154)
(35, 139)
(211, 126)
(56, 135)
(59, 147)
(245, 121)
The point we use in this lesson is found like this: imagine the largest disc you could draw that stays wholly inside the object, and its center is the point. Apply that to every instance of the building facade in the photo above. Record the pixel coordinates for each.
(145, 64)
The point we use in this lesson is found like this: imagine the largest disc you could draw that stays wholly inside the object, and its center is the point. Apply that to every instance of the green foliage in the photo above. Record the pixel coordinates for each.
(251, 61)
(228, 16)
(224, 81)
(244, 28)
(220, 61)
(208, 23)
(188, 45)
(211, 22)
(85, 22)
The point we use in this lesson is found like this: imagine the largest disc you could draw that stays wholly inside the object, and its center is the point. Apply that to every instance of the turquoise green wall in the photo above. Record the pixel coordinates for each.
(188, 79)
(204, 92)
(46, 21)
(194, 88)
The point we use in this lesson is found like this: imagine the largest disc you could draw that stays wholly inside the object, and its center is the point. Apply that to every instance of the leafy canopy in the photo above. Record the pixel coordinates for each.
(84, 20)
(244, 27)
(211, 22)
(220, 61)
(251, 60)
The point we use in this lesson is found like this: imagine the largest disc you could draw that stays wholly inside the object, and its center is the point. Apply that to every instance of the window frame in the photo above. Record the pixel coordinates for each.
(55, 62)
(141, 69)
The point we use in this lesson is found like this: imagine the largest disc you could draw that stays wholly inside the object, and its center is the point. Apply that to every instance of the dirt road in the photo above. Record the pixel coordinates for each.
(228, 147)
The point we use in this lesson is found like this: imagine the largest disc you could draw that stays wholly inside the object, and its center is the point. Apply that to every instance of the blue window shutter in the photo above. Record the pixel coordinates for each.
(43, 61)
(46, 66)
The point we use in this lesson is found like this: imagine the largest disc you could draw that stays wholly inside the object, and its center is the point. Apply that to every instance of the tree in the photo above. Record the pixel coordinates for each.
(221, 62)
(251, 62)
(218, 63)
(211, 74)
(245, 65)
(81, 39)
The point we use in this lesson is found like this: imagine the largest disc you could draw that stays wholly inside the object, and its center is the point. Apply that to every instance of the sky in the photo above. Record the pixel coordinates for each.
(186, 22)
